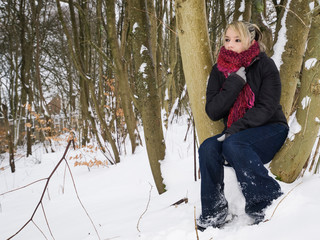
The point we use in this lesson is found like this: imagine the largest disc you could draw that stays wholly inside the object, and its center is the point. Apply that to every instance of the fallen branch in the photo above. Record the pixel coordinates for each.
(145, 209)
(40, 203)
(195, 223)
(183, 200)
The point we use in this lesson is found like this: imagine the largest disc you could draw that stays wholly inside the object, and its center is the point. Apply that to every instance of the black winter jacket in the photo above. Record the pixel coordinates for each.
(264, 80)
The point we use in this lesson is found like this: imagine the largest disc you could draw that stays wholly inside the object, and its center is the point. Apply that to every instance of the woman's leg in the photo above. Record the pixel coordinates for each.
(247, 151)
(214, 204)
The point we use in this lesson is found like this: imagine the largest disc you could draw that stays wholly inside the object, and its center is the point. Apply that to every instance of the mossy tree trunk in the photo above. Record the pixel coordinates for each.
(295, 30)
(148, 100)
(197, 62)
(288, 163)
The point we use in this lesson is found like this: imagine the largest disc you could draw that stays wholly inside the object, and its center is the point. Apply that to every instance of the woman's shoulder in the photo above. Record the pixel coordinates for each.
(265, 61)
(214, 69)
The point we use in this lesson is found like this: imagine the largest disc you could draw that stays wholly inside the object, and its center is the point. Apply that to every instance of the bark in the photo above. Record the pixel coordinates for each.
(197, 62)
(121, 71)
(223, 14)
(280, 10)
(257, 9)
(288, 163)
(159, 45)
(171, 77)
(26, 45)
(147, 92)
(247, 10)
(237, 12)
(297, 24)
(9, 136)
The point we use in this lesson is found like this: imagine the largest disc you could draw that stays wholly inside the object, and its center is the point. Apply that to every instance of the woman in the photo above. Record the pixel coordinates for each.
(244, 90)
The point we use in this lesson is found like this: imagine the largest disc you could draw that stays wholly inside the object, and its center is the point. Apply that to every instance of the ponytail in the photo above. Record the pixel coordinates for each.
(255, 34)
(248, 31)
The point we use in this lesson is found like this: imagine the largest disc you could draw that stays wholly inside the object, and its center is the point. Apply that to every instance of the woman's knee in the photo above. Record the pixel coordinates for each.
(232, 148)
(208, 148)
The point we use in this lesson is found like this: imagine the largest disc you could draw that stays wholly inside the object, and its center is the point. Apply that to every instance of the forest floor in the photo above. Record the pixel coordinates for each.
(121, 201)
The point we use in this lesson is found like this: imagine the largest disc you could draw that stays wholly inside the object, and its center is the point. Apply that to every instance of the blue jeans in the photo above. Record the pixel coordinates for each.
(246, 151)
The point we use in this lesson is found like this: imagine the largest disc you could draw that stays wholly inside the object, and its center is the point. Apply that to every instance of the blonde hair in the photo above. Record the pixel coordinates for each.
(247, 33)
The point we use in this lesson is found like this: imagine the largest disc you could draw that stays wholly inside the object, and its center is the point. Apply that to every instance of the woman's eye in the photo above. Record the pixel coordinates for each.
(238, 40)
(227, 40)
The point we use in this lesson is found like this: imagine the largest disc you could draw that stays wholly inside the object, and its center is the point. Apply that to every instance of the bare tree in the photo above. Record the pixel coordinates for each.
(288, 164)
(148, 101)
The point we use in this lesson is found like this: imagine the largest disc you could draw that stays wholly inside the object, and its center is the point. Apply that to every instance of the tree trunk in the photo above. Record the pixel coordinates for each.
(197, 62)
(9, 136)
(121, 72)
(257, 10)
(247, 11)
(288, 163)
(147, 92)
(295, 30)
(237, 12)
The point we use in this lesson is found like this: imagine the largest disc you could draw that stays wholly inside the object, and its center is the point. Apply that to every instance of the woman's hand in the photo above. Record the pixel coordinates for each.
(242, 73)
(223, 137)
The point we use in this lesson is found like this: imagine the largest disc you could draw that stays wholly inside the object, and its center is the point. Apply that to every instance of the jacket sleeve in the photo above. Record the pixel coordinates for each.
(267, 100)
(222, 93)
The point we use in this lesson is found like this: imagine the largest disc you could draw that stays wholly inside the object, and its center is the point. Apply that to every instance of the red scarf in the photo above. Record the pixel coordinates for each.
(230, 61)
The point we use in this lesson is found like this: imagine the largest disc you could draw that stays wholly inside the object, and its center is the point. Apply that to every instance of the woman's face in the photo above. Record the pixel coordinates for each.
(233, 42)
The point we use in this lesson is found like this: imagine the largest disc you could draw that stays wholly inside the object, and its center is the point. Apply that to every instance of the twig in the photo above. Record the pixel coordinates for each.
(74, 185)
(45, 188)
(64, 178)
(45, 217)
(146, 208)
(183, 200)
(13, 190)
(39, 229)
(42, 196)
(281, 202)
(194, 150)
(195, 223)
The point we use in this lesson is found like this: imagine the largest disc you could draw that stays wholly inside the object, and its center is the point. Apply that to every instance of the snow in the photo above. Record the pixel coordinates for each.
(142, 69)
(282, 39)
(135, 26)
(311, 6)
(143, 48)
(294, 126)
(123, 203)
(310, 63)
(305, 102)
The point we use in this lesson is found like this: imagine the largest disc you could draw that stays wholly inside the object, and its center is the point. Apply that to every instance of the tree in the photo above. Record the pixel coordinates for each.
(296, 27)
(9, 136)
(289, 162)
(148, 101)
(120, 67)
(80, 50)
(197, 62)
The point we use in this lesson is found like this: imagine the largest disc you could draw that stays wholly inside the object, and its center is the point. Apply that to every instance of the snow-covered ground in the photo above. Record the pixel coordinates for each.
(123, 202)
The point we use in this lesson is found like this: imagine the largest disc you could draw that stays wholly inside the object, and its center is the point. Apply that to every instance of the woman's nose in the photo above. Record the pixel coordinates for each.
(229, 46)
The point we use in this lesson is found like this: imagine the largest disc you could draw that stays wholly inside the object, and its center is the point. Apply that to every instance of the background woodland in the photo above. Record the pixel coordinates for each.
(102, 69)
